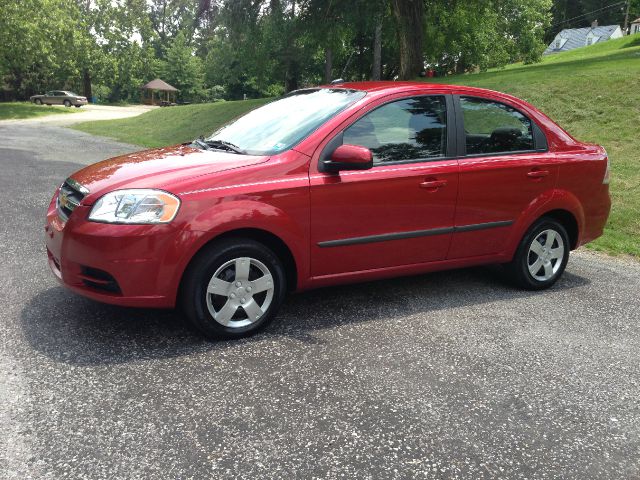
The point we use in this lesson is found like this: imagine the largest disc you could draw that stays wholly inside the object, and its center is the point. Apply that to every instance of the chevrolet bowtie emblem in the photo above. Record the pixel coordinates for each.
(64, 201)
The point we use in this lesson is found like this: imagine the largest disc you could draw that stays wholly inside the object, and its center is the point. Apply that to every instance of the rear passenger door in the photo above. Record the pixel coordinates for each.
(504, 168)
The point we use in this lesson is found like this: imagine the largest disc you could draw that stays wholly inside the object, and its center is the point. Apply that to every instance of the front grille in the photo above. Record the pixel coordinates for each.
(70, 195)
(98, 280)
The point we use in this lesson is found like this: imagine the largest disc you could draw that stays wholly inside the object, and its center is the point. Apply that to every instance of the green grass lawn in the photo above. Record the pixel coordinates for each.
(17, 110)
(170, 125)
(593, 93)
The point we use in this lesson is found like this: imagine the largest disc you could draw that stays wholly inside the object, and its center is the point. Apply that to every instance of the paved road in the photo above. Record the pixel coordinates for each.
(449, 375)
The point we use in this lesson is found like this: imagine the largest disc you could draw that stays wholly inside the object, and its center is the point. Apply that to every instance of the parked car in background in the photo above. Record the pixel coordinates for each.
(329, 185)
(59, 97)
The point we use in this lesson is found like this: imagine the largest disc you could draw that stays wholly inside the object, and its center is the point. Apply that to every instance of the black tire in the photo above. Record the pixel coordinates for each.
(67, 103)
(518, 269)
(195, 300)
(48, 104)
(37, 101)
(78, 106)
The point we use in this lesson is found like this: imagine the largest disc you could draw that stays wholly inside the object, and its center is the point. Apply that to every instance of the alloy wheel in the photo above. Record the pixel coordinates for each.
(240, 292)
(545, 255)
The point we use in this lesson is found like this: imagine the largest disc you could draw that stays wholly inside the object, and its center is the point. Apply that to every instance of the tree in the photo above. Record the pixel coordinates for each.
(409, 20)
(182, 69)
(39, 52)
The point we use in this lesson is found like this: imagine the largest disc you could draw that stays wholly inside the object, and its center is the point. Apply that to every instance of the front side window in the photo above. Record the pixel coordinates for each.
(410, 129)
(281, 124)
(493, 127)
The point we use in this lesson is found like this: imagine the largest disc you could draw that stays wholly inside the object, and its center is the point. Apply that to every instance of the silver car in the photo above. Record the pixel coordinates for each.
(59, 97)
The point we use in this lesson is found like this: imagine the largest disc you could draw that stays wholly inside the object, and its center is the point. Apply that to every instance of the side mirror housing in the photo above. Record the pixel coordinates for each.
(348, 157)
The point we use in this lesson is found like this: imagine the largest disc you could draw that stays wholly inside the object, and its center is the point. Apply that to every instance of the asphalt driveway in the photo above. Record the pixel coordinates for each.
(448, 375)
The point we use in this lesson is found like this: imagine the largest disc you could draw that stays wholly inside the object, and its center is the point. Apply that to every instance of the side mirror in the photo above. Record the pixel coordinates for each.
(348, 157)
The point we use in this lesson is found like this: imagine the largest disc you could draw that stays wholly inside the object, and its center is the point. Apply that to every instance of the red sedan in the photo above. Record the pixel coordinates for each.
(329, 185)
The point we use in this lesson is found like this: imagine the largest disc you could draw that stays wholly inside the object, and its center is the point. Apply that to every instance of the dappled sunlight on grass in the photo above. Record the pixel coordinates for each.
(17, 110)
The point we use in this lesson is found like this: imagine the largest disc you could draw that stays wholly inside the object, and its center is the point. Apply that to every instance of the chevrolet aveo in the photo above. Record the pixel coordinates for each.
(329, 185)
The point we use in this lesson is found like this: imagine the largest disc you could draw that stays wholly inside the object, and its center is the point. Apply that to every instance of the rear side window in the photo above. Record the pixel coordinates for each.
(493, 127)
(409, 129)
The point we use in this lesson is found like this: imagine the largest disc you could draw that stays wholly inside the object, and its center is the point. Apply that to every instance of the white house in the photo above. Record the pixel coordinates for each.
(635, 26)
(571, 38)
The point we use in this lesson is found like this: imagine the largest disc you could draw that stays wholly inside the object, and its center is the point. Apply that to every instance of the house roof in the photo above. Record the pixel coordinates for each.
(577, 37)
(637, 20)
(158, 84)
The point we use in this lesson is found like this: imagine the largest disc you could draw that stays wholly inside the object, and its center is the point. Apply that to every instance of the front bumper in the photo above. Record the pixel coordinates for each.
(129, 265)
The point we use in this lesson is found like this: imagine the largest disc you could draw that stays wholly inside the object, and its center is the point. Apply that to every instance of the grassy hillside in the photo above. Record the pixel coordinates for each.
(594, 93)
(17, 110)
(170, 125)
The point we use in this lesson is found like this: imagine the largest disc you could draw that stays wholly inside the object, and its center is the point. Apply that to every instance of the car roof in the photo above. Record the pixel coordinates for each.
(392, 86)
(387, 85)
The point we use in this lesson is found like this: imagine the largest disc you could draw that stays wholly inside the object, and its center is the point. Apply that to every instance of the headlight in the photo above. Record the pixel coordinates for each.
(135, 206)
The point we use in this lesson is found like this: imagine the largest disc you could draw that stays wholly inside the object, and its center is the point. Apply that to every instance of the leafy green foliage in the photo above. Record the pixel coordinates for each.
(236, 48)
(40, 40)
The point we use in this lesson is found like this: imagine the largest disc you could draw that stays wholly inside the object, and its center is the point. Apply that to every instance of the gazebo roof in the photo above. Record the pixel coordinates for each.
(158, 84)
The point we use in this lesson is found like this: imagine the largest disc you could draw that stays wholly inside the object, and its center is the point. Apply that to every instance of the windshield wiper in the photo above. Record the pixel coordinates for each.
(221, 144)
(201, 144)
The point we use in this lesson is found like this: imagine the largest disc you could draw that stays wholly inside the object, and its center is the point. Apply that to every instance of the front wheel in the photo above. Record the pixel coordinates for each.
(541, 256)
(233, 288)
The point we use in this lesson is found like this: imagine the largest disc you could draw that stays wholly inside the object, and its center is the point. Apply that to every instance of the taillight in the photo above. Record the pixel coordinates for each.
(605, 180)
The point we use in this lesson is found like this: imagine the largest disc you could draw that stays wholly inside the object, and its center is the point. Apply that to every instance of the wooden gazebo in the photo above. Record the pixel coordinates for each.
(158, 92)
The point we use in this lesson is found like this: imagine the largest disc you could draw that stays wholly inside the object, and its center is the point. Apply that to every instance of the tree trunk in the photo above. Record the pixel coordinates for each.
(86, 81)
(376, 68)
(409, 18)
(328, 65)
(291, 77)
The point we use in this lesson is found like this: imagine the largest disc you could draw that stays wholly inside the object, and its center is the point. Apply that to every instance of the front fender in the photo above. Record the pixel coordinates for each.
(228, 215)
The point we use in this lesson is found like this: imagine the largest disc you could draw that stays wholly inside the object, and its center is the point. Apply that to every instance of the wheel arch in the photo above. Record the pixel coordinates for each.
(569, 222)
(265, 237)
(561, 205)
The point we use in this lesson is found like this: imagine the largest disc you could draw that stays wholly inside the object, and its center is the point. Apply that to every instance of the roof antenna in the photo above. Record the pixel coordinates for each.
(336, 81)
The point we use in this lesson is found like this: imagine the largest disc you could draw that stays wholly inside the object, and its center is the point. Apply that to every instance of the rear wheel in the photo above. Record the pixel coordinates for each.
(78, 106)
(233, 288)
(67, 103)
(542, 255)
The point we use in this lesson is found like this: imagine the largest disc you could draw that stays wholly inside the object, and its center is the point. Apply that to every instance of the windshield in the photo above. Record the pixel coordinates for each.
(280, 125)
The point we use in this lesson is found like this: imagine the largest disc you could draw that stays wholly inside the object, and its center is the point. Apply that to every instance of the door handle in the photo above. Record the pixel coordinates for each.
(433, 184)
(538, 173)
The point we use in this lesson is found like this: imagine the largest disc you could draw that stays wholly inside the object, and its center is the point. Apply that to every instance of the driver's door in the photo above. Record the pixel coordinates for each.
(401, 211)
(57, 98)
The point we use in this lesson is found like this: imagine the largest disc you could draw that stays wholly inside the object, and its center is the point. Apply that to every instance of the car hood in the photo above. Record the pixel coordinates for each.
(157, 168)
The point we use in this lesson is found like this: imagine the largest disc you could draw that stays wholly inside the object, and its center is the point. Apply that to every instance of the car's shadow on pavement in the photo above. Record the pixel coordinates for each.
(71, 329)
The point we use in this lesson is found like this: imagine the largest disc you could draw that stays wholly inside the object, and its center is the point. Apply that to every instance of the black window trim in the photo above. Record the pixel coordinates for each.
(451, 126)
(540, 144)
